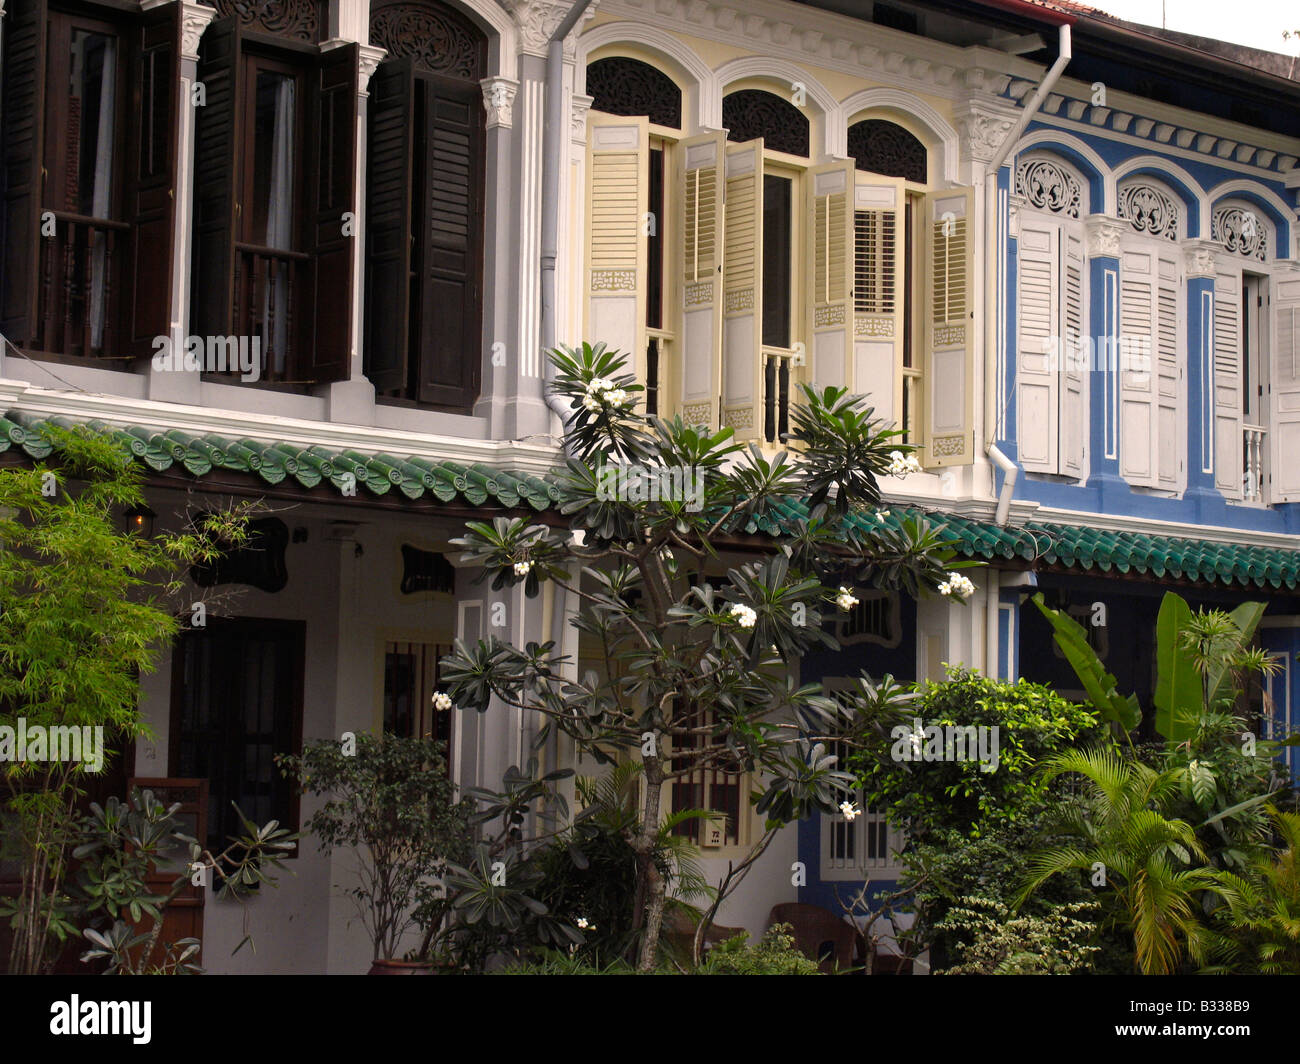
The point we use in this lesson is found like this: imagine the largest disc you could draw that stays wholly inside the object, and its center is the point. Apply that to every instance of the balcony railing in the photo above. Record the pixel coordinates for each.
(1252, 452)
(78, 300)
(267, 282)
(778, 371)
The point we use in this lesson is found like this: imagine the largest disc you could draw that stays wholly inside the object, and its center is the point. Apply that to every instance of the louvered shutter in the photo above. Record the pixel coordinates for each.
(949, 382)
(1037, 328)
(451, 330)
(830, 302)
(1138, 454)
(1227, 383)
(151, 190)
(1073, 433)
(215, 152)
(617, 199)
(875, 309)
(388, 223)
(1169, 443)
(702, 161)
(24, 121)
(1284, 369)
(327, 315)
(742, 266)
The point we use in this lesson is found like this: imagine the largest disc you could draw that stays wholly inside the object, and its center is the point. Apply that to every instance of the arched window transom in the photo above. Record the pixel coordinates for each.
(438, 39)
(1241, 230)
(752, 113)
(620, 85)
(881, 147)
(1150, 209)
(1049, 186)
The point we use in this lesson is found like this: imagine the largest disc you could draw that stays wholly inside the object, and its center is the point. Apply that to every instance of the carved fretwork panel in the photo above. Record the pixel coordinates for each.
(622, 86)
(439, 39)
(753, 113)
(1149, 210)
(298, 19)
(1240, 230)
(1049, 186)
(880, 147)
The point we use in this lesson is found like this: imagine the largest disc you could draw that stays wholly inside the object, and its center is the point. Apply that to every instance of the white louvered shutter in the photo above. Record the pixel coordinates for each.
(1169, 442)
(830, 296)
(1137, 415)
(701, 174)
(1037, 328)
(617, 200)
(742, 267)
(1284, 370)
(949, 382)
(1073, 432)
(1227, 383)
(876, 310)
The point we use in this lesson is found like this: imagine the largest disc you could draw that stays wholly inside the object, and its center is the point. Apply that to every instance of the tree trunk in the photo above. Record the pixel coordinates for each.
(650, 883)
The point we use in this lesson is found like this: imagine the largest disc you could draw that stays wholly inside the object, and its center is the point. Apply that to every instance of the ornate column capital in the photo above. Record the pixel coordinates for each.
(194, 20)
(1200, 258)
(368, 59)
(499, 100)
(539, 19)
(578, 117)
(983, 127)
(1015, 204)
(1103, 235)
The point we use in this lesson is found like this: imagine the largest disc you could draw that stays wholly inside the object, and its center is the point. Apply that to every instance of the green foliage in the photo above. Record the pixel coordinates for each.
(995, 941)
(87, 607)
(1262, 917)
(393, 805)
(1033, 723)
(1123, 712)
(693, 657)
(1156, 881)
(773, 954)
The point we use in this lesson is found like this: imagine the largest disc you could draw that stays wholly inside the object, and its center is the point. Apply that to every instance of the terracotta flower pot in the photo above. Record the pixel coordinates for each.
(391, 967)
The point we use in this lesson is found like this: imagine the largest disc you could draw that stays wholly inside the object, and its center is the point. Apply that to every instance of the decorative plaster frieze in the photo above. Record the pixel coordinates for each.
(499, 100)
(1200, 258)
(1015, 204)
(1103, 235)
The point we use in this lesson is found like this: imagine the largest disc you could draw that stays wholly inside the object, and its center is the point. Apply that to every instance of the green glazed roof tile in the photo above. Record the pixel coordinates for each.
(1079, 547)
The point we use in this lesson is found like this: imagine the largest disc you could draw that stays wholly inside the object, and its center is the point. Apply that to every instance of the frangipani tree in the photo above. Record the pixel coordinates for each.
(700, 653)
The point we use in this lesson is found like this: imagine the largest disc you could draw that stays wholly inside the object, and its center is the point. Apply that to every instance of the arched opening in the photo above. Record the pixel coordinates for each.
(881, 147)
(621, 85)
(750, 114)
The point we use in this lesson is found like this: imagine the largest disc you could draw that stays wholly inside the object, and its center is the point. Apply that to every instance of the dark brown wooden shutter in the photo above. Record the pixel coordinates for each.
(451, 330)
(24, 115)
(215, 150)
(331, 187)
(155, 110)
(389, 158)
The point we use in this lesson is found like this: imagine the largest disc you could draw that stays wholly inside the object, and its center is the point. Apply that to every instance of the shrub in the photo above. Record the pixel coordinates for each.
(994, 941)
(773, 954)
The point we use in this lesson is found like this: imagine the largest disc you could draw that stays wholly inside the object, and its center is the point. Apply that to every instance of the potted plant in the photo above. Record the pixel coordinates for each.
(390, 801)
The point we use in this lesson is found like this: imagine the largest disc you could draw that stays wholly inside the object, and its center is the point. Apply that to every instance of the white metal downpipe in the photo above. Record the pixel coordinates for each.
(992, 250)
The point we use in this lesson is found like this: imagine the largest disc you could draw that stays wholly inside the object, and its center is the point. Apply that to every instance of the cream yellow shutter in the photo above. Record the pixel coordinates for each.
(876, 309)
(702, 164)
(1227, 382)
(1284, 386)
(742, 285)
(830, 276)
(949, 376)
(617, 204)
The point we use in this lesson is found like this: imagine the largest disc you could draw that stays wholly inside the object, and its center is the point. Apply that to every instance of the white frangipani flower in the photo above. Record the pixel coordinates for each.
(901, 464)
(850, 810)
(958, 585)
(743, 615)
(441, 702)
(583, 924)
(845, 599)
(523, 568)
